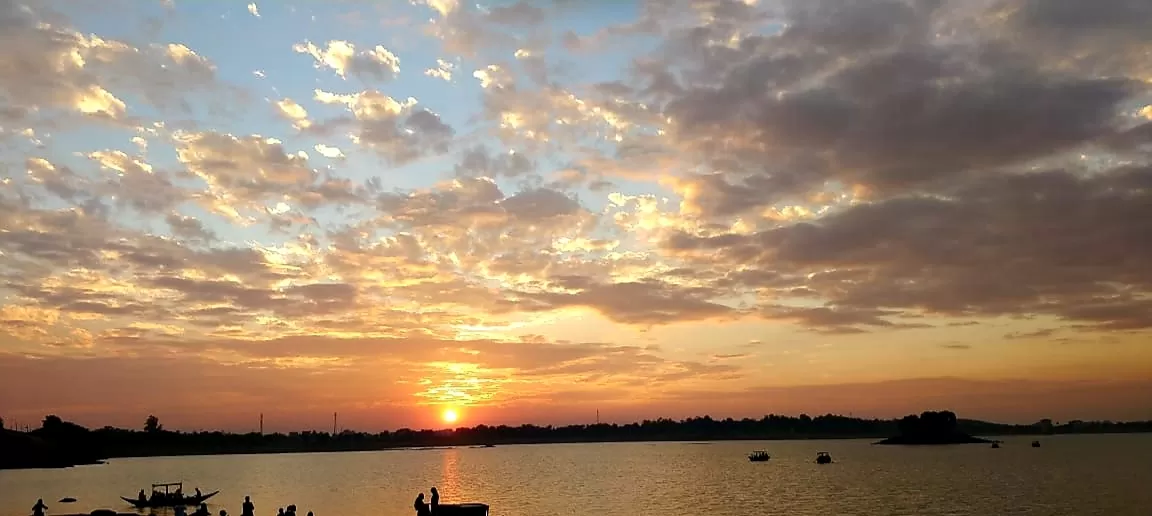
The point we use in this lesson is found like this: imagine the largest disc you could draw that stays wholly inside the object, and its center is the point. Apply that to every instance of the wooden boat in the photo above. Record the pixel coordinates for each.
(462, 509)
(1035, 444)
(995, 444)
(102, 512)
(169, 498)
(823, 458)
(759, 456)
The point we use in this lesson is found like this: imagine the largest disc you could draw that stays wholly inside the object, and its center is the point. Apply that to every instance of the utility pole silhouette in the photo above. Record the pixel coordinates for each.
(261, 423)
(333, 424)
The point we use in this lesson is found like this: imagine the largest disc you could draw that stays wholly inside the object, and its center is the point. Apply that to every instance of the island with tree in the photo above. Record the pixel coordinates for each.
(59, 443)
(931, 428)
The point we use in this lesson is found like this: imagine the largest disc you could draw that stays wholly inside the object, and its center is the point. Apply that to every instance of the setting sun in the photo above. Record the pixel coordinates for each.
(449, 416)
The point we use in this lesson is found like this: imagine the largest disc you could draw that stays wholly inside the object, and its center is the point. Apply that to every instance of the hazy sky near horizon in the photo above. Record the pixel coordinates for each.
(532, 210)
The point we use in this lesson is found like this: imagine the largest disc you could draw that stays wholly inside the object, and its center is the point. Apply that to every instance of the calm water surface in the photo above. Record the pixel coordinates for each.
(1068, 475)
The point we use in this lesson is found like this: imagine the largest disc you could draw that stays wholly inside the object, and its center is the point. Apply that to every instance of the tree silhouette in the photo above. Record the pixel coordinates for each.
(152, 424)
(51, 423)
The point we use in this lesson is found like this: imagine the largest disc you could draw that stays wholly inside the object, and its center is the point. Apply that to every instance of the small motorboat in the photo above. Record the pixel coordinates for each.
(759, 456)
(462, 509)
(103, 512)
(459, 509)
(823, 458)
(171, 496)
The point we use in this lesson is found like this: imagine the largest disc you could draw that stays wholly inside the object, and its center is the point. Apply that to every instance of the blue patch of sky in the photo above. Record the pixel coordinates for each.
(239, 43)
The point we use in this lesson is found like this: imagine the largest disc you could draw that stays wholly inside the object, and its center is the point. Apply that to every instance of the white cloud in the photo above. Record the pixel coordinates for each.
(289, 109)
(342, 57)
(442, 71)
(329, 151)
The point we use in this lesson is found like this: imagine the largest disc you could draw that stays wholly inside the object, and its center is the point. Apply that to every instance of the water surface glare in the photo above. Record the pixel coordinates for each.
(1080, 475)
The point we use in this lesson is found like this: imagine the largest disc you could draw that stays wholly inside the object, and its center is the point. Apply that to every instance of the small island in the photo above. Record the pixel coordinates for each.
(931, 428)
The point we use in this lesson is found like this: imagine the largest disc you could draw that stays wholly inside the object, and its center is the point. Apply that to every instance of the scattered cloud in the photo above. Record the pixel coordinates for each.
(341, 57)
(698, 200)
(443, 70)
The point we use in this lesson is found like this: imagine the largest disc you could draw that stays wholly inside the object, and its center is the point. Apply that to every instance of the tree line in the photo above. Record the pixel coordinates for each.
(62, 443)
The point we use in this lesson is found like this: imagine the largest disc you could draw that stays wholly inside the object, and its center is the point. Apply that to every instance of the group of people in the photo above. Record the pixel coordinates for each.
(157, 496)
(180, 510)
(249, 509)
(427, 509)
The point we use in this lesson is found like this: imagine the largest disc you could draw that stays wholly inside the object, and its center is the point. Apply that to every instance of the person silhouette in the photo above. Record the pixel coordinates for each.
(420, 506)
(435, 500)
(249, 509)
(39, 508)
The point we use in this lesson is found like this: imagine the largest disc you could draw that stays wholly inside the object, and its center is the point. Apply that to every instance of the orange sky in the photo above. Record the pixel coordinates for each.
(531, 211)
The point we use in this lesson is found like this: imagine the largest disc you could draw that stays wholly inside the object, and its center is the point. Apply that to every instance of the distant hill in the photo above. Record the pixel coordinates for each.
(60, 444)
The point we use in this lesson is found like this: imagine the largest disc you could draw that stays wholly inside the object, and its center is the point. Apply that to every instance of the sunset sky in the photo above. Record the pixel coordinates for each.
(530, 211)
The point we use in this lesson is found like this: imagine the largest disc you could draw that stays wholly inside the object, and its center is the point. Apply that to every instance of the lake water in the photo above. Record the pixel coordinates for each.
(1068, 475)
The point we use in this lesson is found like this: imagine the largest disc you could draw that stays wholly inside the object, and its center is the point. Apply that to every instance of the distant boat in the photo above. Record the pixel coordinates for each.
(170, 497)
(995, 444)
(1035, 444)
(759, 456)
(823, 458)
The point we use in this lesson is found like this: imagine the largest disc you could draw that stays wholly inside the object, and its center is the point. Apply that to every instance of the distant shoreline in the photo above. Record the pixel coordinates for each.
(62, 444)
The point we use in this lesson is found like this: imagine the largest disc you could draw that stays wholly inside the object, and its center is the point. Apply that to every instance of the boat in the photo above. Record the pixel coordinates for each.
(759, 456)
(1035, 444)
(172, 496)
(462, 509)
(102, 512)
(995, 444)
(823, 458)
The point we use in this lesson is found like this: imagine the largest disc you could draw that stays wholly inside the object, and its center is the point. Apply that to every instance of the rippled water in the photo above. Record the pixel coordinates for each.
(1068, 475)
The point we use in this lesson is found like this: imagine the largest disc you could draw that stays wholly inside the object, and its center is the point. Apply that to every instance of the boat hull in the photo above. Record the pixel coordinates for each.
(461, 509)
(187, 501)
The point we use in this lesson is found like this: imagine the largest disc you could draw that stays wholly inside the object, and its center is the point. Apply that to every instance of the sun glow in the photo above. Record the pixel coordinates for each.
(449, 416)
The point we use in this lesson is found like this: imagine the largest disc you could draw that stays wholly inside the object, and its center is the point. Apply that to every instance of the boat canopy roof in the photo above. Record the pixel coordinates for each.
(179, 485)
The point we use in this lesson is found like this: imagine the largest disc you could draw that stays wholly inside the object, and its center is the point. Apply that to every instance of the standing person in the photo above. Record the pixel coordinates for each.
(420, 506)
(435, 500)
(39, 508)
(249, 509)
